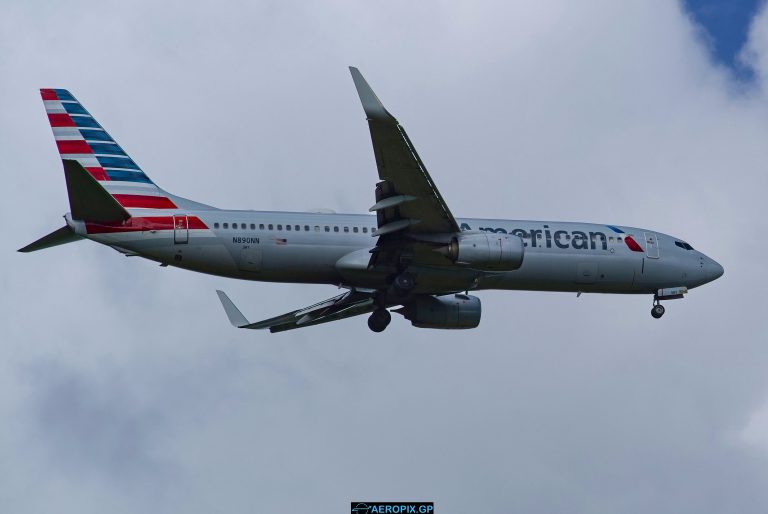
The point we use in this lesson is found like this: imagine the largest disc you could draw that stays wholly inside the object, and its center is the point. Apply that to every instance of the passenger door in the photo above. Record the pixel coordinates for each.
(651, 245)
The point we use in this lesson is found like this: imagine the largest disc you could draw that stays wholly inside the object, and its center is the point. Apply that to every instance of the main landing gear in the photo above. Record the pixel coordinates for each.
(379, 319)
(404, 283)
(657, 310)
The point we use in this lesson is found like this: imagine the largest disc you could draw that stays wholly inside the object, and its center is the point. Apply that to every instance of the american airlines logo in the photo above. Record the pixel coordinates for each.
(547, 238)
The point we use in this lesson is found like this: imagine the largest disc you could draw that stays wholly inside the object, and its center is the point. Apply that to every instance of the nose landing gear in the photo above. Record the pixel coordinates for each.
(657, 310)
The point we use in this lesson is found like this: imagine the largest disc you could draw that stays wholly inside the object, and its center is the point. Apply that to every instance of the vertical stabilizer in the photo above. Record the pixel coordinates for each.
(79, 137)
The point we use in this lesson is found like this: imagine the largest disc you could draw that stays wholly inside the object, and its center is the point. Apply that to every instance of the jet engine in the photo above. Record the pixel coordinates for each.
(447, 311)
(496, 252)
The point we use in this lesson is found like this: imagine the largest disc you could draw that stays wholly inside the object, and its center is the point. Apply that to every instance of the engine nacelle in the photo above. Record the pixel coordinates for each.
(498, 252)
(448, 311)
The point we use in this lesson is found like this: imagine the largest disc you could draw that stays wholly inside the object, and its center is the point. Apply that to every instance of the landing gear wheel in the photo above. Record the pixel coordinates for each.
(404, 283)
(657, 311)
(379, 320)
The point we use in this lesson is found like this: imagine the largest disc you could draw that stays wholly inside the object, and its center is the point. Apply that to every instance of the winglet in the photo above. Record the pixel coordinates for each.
(373, 107)
(233, 313)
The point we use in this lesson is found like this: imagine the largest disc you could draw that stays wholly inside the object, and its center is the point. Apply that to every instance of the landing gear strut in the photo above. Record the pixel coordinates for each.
(379, 320)
(657, 310)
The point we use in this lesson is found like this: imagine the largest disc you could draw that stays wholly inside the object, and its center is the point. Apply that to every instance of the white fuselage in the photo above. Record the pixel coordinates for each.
(334, 249)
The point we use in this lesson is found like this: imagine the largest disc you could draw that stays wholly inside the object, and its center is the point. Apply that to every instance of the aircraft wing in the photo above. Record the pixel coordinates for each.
(346, 305)
(407, 200)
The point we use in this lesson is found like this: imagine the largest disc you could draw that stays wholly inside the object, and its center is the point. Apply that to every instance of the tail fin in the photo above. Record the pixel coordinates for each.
(79, 137)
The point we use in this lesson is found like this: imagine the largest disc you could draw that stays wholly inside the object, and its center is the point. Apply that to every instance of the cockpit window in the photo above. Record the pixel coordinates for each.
(684, 246)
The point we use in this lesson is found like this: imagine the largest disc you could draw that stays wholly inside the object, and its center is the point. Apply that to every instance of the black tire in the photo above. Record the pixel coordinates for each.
(657, 311)
(379, 320)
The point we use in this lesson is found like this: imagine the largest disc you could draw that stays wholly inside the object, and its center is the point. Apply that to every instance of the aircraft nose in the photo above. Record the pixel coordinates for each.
(714, 270)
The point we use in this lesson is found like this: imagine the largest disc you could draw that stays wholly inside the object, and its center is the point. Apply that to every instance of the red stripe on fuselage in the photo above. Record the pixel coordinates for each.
(61, 120)
(73, 147)
(135, 224)
(49, 94)
(144, 201)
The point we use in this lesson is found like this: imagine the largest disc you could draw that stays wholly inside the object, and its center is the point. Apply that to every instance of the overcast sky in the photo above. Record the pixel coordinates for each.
(123, 386)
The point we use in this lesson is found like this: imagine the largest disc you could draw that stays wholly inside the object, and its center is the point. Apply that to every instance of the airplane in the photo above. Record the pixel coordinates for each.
(413, 257)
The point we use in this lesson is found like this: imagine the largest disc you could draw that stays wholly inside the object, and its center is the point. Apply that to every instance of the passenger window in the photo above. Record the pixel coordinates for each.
(346, 229)
(317, 228)
(327, 228)
(261, 226)
(354, 229)
(242, 226)
(226, 225)
(365, 230)
(618, 239)
(253, 226)
(216, 225)
(335, 229)
(287, 227)
(610, 239)
(270, 226)
(297, 227)
(306, 228)
(279, 227)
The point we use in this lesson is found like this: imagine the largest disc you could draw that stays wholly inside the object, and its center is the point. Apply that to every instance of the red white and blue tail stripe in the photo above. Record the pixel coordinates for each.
(80, 137)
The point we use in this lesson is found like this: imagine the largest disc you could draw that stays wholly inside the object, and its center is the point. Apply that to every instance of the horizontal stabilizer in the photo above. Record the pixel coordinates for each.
(88, 200)
(57, 237)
